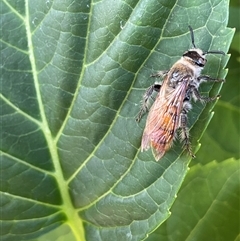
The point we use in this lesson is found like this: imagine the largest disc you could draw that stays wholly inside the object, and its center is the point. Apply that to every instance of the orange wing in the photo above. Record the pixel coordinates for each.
(163, 118)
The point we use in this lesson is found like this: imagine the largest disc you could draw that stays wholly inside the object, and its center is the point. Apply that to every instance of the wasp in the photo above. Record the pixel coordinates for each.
(168, 115)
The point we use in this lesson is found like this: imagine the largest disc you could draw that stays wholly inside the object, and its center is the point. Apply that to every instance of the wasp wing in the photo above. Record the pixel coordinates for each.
(163, 117)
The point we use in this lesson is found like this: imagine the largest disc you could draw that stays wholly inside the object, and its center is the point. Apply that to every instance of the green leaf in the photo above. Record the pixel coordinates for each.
(220, 142)
(221, 139)
(207, 207)
(72, 76)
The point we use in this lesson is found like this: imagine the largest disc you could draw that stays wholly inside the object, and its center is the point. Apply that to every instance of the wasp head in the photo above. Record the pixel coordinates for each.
(196, 57)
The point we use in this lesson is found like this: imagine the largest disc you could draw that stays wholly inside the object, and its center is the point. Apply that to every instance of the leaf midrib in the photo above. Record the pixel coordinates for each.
(67, 207)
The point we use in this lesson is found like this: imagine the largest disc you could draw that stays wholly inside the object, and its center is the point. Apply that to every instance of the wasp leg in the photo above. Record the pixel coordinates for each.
(145, 102)
(148, 94)
(184, 130)
(208, 78)
(197, 96)
(160, 74)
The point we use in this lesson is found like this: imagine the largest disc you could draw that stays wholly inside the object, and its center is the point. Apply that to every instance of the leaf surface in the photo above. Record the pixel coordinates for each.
(72, 76)
(207, 207)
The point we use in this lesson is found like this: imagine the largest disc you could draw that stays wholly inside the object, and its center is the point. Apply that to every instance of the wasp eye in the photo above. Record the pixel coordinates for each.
(201, 62)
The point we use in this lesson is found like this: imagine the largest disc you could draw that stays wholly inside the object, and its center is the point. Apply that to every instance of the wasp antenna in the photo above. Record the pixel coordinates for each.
(192, 35)
(215, 52)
